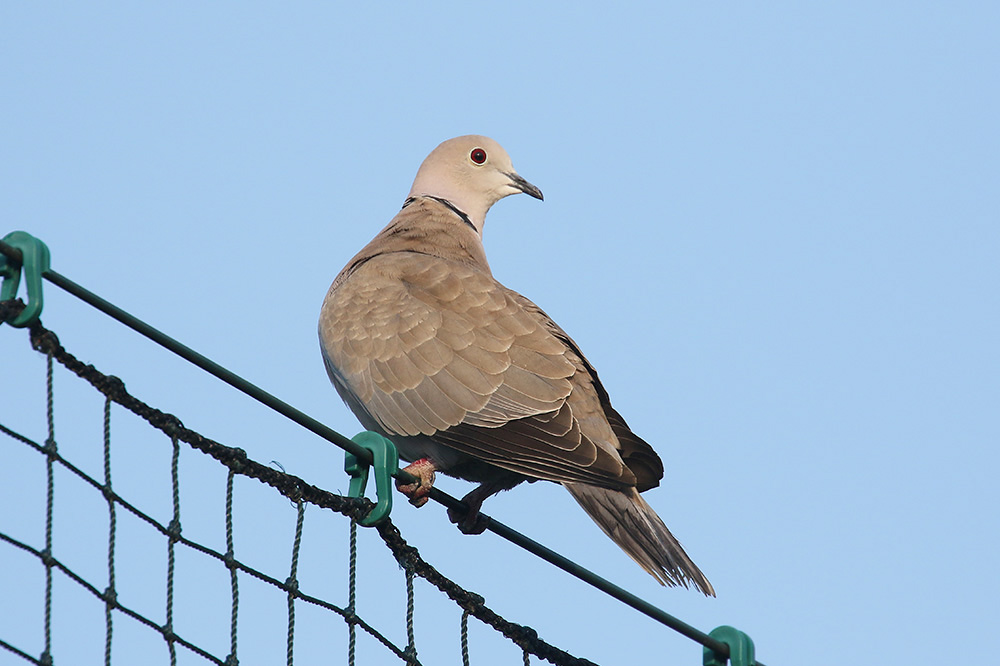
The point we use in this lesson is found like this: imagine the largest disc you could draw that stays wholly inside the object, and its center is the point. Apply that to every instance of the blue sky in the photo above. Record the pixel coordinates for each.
(772, 229)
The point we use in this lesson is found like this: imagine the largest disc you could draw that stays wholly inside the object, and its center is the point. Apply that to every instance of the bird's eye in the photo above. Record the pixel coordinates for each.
(478, 155)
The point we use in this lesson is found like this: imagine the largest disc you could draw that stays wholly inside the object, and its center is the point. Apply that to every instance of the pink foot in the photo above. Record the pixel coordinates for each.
(418, 492)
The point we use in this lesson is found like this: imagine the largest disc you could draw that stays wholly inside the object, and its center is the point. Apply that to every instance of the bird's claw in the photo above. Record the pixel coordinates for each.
(418, 492)
(469, 522)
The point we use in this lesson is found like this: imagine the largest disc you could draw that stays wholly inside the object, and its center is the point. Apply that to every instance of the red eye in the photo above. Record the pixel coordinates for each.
(478, 155)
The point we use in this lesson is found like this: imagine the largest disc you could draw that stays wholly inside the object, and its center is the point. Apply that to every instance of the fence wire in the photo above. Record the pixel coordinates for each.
(237, 463)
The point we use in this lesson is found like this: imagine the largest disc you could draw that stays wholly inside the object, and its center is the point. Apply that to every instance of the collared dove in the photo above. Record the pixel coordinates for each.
(472, 379)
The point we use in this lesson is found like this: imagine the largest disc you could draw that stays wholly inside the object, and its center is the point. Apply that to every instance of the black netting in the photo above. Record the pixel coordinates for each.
(238, 465)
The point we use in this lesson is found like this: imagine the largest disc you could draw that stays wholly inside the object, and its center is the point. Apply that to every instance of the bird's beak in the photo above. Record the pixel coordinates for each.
(525, 186)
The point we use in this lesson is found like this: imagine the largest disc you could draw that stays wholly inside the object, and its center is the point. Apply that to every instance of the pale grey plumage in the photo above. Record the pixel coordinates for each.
(426, 347)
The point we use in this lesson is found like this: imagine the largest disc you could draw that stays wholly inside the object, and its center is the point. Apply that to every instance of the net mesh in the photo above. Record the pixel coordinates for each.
(202, 566)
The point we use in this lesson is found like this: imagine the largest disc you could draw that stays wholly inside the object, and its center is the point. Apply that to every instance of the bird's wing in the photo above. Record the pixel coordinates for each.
(438, 348)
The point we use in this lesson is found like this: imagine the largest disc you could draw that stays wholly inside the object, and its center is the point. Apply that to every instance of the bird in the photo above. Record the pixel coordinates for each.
(471, 379)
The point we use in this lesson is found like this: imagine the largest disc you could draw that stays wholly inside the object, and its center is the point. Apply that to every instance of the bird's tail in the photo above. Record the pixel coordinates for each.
(626, 517)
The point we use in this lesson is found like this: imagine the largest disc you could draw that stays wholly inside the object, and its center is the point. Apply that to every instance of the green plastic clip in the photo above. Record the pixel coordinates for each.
(34, 262)
(740, 648)
(385, 460)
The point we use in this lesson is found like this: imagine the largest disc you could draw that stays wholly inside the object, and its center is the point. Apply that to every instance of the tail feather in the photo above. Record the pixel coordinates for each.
(631, 523)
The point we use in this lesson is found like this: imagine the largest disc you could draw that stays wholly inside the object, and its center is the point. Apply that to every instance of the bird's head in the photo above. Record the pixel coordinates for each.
(473, 173)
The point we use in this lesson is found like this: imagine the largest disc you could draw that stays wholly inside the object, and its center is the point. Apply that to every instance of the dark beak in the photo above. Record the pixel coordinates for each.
(525, 186)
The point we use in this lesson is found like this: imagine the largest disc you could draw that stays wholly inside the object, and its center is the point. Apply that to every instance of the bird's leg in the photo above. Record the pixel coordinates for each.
(418, 492)
(472, 522)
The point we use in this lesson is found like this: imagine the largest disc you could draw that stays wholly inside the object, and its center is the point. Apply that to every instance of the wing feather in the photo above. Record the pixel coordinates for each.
(440, 349)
